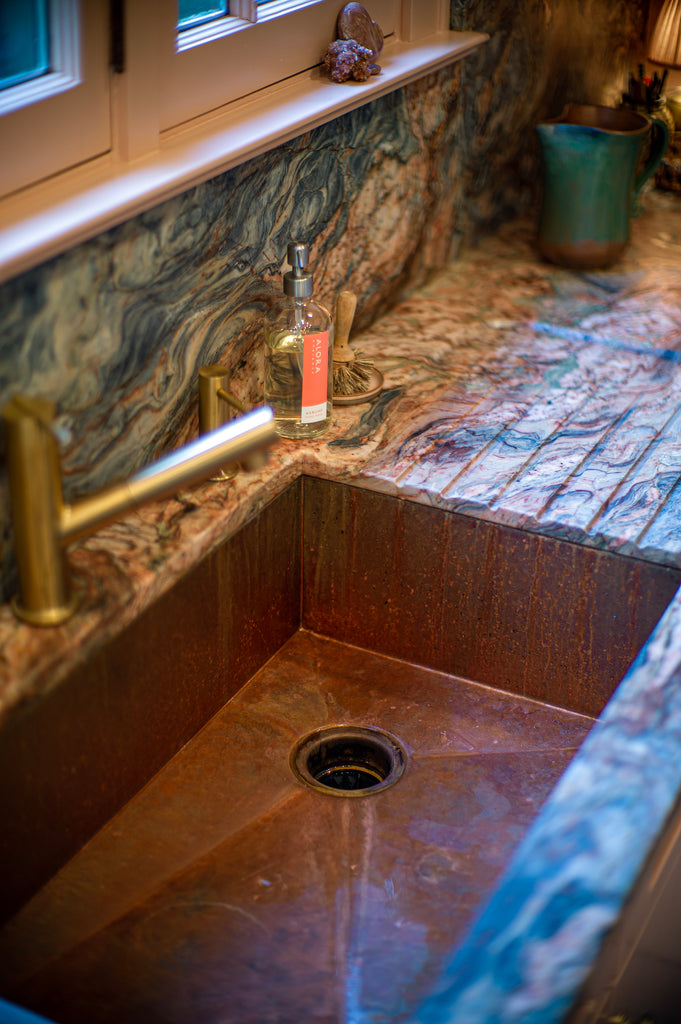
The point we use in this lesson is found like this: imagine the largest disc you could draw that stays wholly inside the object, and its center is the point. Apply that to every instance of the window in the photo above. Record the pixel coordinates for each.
(25, 43)
(204, 85)
(54, 104)
(197, 12)
(201, 69)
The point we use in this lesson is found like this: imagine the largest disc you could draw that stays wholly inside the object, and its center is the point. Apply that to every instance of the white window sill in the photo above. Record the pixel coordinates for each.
(49, 218)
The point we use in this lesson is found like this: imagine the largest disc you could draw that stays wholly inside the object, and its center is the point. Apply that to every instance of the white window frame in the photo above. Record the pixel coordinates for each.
(152, 155)
(204, 68)
(62, 118)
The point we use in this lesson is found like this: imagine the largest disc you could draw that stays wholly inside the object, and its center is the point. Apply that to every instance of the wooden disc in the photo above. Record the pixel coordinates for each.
(375, 386)
(354, 22)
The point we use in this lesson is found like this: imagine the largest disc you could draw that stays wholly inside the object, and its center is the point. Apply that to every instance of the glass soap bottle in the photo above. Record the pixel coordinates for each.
(299, 355)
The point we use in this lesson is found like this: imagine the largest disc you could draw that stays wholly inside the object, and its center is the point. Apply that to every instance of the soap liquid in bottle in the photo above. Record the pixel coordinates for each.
(299, 356)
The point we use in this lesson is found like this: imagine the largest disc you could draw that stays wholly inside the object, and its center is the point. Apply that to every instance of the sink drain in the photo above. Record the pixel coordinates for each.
(347, 760)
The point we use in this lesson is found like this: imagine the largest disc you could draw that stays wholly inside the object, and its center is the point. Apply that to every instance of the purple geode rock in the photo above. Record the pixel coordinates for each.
(347, 59)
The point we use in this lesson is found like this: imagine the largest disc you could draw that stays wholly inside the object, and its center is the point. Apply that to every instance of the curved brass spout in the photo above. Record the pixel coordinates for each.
(44, 525)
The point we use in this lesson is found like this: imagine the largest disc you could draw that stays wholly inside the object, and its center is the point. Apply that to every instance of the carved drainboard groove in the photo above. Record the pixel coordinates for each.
(228, 889)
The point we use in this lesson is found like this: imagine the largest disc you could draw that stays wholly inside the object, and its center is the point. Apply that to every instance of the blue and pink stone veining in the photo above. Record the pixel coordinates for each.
(530, 396)
(114, 330)
(514, 391)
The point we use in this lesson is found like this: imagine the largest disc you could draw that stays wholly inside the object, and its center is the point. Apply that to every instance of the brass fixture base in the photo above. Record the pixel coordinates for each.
(54, 616)
(225, 474)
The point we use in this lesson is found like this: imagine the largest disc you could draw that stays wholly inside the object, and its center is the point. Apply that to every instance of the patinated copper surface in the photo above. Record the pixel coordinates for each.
(227, 891)
(551, 620)
(73, 758)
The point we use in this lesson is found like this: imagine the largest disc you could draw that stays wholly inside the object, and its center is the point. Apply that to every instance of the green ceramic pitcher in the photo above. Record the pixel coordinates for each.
(591, 181)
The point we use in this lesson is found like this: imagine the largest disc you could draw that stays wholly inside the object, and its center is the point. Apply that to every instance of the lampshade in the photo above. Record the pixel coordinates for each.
(665, 45)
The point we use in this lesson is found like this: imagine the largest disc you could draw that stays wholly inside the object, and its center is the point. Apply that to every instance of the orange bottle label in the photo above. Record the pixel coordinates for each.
(315, 377)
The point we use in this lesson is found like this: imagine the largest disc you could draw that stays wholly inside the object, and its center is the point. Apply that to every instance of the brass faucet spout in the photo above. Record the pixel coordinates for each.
(44, 525)
(182, 468)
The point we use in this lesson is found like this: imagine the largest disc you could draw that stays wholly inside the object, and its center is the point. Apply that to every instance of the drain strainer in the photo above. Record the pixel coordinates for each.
(347, 760)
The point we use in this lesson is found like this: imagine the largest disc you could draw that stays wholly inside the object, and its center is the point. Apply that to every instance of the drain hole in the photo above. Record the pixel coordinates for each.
(349, 776)
(348, 760)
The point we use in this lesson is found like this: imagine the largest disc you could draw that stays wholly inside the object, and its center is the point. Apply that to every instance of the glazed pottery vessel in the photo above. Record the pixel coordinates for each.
(591, 181)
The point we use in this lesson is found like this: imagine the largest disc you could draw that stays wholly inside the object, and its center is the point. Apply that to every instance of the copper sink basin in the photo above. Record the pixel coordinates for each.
(162, 859)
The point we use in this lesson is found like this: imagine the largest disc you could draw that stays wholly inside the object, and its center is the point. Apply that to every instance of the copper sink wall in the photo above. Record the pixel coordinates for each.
(547, 619)
(531, 615)
(71, 761)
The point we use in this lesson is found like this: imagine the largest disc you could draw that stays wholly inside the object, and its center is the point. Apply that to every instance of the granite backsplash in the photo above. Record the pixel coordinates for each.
(114, 329)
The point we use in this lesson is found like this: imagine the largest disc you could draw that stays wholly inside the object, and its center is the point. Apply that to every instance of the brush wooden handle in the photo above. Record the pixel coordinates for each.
(346, 304)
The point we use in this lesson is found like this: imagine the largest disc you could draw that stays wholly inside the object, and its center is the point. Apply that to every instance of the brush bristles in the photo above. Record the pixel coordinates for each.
(351, 378)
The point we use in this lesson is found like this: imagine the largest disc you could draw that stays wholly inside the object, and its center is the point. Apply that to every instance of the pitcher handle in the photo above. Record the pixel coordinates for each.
(659, 140)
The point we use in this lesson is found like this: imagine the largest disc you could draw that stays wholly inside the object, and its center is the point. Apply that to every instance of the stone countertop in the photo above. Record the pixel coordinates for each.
(527, 395)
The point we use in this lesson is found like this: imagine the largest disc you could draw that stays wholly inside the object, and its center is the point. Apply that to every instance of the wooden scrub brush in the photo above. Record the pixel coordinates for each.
(354, 380)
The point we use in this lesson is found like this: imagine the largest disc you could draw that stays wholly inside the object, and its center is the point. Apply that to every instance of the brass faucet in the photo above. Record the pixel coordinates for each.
(44, 525)
(212, 395)
(215, 403)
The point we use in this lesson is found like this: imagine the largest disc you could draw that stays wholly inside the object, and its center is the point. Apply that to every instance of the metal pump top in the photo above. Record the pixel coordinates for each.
(298, 281)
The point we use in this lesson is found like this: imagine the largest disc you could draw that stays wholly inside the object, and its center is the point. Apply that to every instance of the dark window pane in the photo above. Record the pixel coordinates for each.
(196, 12)
(24, 41)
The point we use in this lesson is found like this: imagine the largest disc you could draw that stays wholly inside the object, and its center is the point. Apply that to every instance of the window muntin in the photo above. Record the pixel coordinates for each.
(197, 12)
